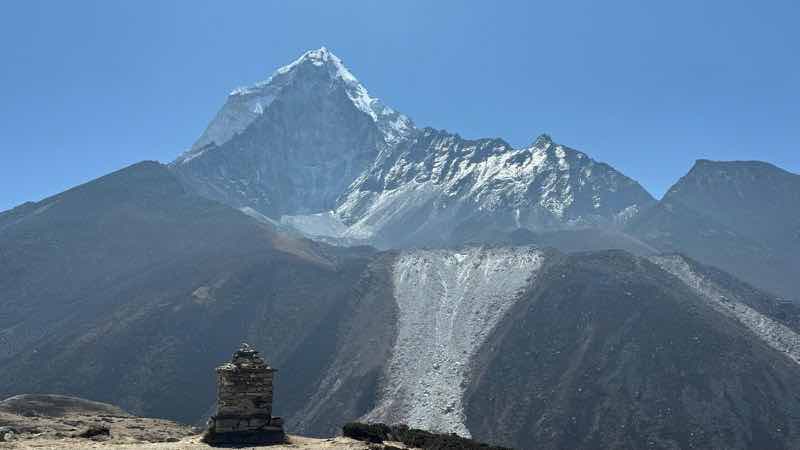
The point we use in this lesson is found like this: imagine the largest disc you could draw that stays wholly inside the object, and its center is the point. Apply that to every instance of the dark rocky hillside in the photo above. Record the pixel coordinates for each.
(741, 216)
(129, 289)
(514, 346)
(609, 351)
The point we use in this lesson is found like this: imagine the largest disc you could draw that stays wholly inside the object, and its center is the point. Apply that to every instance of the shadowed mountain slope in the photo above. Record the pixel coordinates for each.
(511, 345)
(131, 289)
(609, 351)
(741, 216)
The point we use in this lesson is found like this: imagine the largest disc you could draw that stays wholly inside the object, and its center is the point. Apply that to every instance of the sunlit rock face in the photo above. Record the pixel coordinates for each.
(438, 188)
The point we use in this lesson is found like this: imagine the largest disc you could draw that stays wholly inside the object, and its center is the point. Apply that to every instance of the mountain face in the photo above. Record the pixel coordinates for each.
(310, 148)
(129, 288)
(741, 216)
(60, 252)
(293, 143)
(612, 352)
(536, 349)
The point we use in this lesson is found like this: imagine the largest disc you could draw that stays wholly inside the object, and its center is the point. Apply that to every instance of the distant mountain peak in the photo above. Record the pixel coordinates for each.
(703, 165)
(316, 68)
(321, 57)
(706, 173)
(543, 141)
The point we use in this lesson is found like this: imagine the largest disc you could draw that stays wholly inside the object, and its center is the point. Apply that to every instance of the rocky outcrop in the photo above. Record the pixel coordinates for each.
(379, 433)
(59, 421)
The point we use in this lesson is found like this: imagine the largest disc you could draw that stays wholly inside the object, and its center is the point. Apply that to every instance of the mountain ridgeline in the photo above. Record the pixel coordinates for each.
(310, 141)
(310, 150)
(527, 297)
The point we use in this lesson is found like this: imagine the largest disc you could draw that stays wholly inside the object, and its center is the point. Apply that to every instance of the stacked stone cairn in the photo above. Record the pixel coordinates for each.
(244, 403)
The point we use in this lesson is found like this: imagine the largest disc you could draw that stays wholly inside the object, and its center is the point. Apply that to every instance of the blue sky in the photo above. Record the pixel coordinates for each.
(88, 87)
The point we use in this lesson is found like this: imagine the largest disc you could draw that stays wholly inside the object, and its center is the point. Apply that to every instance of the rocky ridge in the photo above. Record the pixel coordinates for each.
(440, 189)
(70, 422)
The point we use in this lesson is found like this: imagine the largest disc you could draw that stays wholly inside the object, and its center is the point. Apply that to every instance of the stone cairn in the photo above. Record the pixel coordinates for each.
(244, 403)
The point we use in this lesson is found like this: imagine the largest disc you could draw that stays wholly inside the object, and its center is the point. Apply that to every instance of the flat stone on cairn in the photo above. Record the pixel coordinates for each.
(244, 403)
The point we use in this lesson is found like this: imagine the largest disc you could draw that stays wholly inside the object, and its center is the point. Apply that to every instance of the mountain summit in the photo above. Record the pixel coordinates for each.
(246, 104)
(293, 143)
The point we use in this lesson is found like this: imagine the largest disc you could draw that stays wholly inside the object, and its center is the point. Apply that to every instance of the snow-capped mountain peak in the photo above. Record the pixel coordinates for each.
(542, 142)
(320, 67)
(393, 124)
(321, 57)
(292, 143)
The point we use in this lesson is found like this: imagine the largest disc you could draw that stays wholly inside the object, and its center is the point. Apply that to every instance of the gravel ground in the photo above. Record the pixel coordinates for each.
(191, 443)
(775, 334)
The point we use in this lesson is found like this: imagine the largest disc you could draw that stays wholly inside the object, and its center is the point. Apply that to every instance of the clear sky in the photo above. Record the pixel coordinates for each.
(87, 87)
